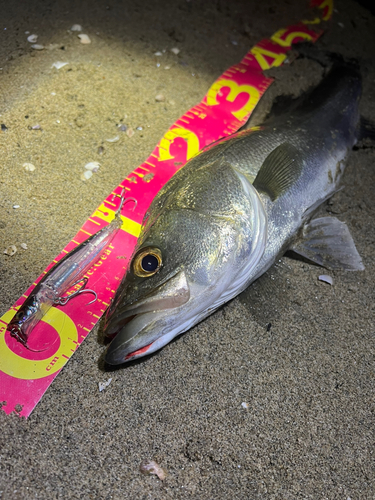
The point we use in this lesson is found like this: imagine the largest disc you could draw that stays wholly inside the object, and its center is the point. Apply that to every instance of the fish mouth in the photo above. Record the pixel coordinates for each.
(138, 325)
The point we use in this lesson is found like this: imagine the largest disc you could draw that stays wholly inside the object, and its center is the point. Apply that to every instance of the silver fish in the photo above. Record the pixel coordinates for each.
(231, 211)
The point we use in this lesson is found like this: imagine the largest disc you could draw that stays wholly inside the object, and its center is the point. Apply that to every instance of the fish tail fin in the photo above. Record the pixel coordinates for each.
(307, 50)
(366, 129)
(326, 58)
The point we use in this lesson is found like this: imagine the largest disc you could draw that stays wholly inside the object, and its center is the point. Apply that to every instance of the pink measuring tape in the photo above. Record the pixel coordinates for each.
(25, 374)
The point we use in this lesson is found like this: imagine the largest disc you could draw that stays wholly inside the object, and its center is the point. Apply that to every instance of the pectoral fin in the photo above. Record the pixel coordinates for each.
(280, 170)
(328, 242)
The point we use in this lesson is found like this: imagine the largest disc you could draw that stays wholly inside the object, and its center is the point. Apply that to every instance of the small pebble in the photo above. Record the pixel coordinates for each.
(158, 54)
(175, 50)
(16, 206)
(122, 127)
(244, 405)
(36, 127)
(32, 38)
(36, 46)
(11, 250)
(53, 46)
(326, 279)
(114, 139)
(167, 67)
(93, 166)
(159, 98)
(341, 25)
(100, 150)
(59, 64)
(139, 128)
(24, 246)
(84, 39)
(4, 128)
(148, 177)
(76, 27)
(150, 467)
(158, 65)
(29, 167)
(103, 385)
(130, 132)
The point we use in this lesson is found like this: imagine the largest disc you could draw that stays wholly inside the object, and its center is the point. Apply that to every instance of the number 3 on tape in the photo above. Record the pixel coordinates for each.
(234, 91)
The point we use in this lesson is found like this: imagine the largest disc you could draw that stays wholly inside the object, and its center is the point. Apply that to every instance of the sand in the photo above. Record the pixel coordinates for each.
(297, 351)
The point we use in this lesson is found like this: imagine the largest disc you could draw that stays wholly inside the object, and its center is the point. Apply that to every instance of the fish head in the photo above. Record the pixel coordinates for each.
(201, 237)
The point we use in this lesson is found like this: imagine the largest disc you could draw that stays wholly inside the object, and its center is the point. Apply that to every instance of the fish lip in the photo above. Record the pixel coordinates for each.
(138, 318)
(119, 349)
(171, 293)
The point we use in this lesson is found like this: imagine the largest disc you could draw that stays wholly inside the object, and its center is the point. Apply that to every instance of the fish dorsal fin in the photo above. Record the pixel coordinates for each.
(280, 170)
(328, 242)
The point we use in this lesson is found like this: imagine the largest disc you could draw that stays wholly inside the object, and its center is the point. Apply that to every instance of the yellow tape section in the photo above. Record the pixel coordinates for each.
(290, 38)
(166, 142)
(128, 225)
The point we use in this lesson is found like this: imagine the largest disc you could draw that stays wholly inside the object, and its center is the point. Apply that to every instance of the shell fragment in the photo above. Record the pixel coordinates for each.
(84, 39)
(11, 250)
(93, 166)
(104, 385)
(326, 279)
(29, 167)
(59, 64)
(113, 139)
(32, 38)
(151, 467)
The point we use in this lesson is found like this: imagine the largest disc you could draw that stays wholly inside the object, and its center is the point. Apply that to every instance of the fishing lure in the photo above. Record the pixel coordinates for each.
(67, 273)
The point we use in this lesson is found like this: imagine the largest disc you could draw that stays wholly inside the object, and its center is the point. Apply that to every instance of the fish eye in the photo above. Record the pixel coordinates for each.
(147, 262)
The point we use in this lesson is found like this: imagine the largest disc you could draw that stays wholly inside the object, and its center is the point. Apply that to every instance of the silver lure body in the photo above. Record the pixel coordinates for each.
(226, 216)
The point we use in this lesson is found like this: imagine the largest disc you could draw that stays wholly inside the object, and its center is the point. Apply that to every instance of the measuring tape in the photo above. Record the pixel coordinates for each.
(26, 374)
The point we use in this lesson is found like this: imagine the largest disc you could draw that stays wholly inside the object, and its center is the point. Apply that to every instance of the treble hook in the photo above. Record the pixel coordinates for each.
(62, 301)
(123, 201)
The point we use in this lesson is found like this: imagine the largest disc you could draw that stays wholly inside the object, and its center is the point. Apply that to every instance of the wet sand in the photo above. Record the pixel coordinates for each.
(297, 351)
